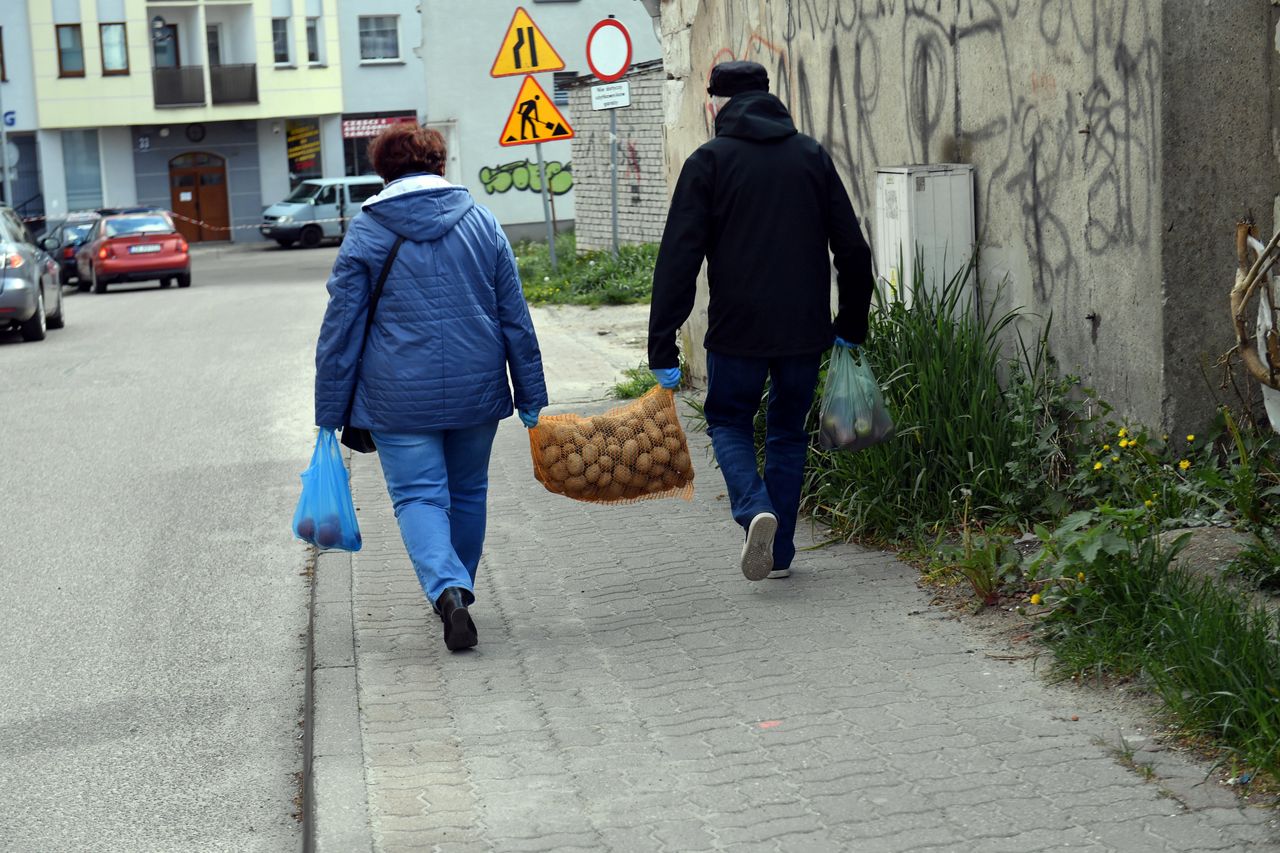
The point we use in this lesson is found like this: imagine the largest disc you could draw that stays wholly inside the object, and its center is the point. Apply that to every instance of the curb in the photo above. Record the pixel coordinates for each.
(337, 807)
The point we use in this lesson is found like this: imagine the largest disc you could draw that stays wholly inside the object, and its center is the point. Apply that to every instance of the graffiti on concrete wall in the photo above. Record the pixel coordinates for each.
(523, 175)
(878, 82)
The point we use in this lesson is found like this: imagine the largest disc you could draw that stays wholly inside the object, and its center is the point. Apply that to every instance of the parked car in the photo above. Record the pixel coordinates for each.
(317, 209)
(65, 238)
(30, 287)
(134, 247)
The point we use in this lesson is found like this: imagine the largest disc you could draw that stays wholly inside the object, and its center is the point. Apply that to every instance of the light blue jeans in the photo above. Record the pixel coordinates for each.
(439, 485)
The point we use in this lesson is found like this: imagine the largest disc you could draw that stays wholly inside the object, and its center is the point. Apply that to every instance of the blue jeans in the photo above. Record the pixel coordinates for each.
(439, 485)
(734, 386)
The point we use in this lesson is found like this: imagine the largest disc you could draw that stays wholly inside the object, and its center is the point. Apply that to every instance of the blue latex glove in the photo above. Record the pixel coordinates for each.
(841, 342)
(529, 417)
(668, 377)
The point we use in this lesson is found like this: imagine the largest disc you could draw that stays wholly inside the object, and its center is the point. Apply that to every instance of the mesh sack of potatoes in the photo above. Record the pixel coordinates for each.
(634, 452)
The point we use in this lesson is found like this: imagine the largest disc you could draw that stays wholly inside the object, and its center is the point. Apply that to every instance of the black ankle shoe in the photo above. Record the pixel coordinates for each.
(459, 630)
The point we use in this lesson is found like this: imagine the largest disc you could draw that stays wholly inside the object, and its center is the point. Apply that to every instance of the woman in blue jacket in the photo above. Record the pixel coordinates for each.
(430, 380)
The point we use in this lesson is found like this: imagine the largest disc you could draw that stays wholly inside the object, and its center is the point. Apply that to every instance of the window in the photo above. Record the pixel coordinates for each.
(70, 51)
(313, 41)
(379, 38)
(213, 41)
(280, 39)
(164, 47)
(83, 169)
(115, 49)
(359, 192)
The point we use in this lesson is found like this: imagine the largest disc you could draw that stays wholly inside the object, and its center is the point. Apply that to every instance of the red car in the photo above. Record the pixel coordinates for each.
(133, 247)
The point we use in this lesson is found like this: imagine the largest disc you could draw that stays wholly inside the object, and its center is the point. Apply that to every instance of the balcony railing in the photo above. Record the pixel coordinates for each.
(234, 84)
(181, 86)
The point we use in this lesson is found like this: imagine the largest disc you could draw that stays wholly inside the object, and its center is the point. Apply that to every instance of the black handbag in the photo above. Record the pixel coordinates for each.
(360, 439)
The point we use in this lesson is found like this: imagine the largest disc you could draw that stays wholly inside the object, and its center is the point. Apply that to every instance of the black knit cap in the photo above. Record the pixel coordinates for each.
(734, 78)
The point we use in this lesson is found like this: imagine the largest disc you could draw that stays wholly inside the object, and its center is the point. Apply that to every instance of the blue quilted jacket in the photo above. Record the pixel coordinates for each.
(451, 320)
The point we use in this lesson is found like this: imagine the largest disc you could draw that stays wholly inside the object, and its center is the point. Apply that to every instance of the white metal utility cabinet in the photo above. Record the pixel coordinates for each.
(926, 209)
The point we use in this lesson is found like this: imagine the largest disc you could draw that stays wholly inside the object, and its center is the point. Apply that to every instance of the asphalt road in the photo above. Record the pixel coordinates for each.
(153, 613)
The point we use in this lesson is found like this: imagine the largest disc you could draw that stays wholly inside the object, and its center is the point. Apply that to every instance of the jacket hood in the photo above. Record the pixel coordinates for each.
(757, 116)
(419, 207)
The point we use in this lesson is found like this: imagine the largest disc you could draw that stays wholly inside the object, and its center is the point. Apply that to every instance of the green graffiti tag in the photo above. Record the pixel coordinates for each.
(523, 175)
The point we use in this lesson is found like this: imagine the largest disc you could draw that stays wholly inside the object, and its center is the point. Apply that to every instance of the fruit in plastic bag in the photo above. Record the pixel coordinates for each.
(853, 415)
(326, 495)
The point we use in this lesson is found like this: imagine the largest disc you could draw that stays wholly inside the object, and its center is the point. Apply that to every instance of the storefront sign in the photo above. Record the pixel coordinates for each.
(303, 144)
(361, 128)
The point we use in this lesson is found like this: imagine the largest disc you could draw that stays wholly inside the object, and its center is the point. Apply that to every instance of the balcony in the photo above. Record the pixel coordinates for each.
(180, 86)
(234, 84)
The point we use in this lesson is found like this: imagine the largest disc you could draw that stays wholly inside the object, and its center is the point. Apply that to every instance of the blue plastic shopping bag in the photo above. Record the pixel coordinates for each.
(853, 414)
(326, 516)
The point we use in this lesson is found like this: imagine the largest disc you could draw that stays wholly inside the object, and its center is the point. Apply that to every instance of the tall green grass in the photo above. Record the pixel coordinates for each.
(961, 433)
(590, 278)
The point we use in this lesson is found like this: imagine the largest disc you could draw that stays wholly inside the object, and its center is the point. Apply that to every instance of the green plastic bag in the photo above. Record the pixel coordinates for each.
(853, 414)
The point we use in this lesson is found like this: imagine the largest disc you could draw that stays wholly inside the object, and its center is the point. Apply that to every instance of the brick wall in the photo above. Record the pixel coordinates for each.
(642, 173)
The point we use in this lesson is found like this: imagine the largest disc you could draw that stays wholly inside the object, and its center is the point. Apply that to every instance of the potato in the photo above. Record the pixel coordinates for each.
(563, 433)
(671, 480)
(575, 485)
(654, 486)
(671, 429)
(590, 453)
(551, 455)
(603, 480)
(586, 427)
(644, 442)
(558, 472)
(656, 471)
(643, 463)
(592, 474)
(660, 454)
(575, 464)
(615, 490)
(662, 416)
(622, 474)
(609, 458)
(623, 433)
(680, 461)
(654, 432)
(630, 450)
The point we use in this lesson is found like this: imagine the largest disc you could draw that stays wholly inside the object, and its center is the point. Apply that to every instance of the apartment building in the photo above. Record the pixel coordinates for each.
(216, 108)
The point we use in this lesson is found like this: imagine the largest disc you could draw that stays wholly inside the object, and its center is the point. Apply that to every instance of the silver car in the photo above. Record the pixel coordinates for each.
(30, 283)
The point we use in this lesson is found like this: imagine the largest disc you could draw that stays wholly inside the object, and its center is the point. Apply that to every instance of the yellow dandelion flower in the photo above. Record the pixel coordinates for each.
(1184, 464)
(1097, 466)
(1115, 458)
(1164, 437)
(1191, 437)
(1106, 448)
(1036, 599)
(1122, 433)
(1080, 577)
(1148, 504)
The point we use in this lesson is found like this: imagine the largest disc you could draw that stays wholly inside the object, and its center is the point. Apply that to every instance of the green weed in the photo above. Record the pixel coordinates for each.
(592, 278)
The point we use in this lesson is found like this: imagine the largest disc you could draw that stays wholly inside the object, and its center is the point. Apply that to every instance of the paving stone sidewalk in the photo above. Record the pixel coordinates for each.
(631, 691)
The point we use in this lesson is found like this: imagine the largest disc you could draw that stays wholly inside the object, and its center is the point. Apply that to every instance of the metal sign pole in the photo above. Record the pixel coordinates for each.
(4, 153)
(613, 166)
(546, 209)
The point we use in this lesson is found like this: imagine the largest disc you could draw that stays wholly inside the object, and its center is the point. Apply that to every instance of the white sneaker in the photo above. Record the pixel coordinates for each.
(757, 552)
(779, 573)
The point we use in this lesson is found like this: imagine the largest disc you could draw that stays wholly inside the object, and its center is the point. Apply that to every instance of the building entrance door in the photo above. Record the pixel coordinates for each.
(198, 192)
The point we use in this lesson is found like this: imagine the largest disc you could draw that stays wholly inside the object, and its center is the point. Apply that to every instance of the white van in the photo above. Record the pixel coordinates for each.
(317, 208)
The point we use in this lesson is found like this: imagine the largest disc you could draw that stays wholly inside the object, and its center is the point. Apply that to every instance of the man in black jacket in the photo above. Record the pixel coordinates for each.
(762, 203)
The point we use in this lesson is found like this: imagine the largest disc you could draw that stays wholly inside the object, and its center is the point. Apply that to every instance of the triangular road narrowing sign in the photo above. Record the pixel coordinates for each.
(534, 118)
(525, 50)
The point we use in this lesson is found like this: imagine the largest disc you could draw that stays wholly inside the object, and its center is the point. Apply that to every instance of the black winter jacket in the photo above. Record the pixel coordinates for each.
(762, 203)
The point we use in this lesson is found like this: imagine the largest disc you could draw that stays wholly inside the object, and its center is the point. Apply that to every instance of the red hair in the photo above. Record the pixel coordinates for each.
(405, 148)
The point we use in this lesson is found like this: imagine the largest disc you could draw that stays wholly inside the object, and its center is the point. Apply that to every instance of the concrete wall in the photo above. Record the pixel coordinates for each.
(460, 42)
(642, 169)
(383, 87)
(1112, 150)
(19, 93)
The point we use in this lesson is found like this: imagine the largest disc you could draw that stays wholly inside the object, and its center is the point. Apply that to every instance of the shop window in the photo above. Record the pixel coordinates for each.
(83, 168)
(115, 49)
(379, 38)
(70, 51)
(280, 40)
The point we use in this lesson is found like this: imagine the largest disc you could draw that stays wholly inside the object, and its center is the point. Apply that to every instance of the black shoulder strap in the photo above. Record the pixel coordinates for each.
(382, 280)
(374, 296)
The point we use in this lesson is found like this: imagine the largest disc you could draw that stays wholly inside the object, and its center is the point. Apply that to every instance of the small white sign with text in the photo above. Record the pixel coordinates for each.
(610, 96)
